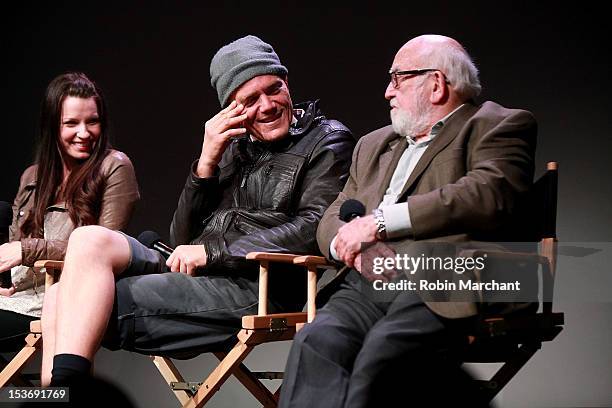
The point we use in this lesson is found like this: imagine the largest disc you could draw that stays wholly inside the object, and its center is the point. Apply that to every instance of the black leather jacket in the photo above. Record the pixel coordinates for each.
(266, 197)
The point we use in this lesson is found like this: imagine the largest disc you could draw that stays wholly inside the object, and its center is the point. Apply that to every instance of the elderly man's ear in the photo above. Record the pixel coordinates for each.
(440, 91)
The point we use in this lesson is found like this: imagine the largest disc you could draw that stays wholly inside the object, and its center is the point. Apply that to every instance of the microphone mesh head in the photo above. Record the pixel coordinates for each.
(6, 215)
(351, 209)
(148, 238)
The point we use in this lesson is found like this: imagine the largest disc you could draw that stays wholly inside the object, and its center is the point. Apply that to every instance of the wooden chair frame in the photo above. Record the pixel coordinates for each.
(256, 329)
(11, 372)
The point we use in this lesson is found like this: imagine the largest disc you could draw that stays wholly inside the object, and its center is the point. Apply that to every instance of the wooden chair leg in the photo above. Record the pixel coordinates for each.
(251, 383)
(219, 375)
(33, 345)
(17, 379)
(231, 364)
(171, 374)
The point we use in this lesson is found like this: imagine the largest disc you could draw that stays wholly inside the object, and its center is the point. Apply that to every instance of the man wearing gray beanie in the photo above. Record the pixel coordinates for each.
(266, 173)
(241, 60)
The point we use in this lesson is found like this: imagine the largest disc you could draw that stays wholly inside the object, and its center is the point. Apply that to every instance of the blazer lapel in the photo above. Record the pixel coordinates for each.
(447, 134)
(387, 163)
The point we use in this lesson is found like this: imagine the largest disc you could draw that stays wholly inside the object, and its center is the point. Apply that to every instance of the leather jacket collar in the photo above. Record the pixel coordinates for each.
(307, 114)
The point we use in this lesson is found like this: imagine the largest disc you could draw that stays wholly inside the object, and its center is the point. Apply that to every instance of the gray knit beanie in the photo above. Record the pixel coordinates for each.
(240, 61)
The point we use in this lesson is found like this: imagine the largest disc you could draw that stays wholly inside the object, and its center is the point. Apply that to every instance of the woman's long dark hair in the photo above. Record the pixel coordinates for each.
(83, 189)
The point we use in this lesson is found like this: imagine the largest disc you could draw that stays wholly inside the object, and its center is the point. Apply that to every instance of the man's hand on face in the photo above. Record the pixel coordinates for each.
(351, 236)
(187, 258)
(218, 132)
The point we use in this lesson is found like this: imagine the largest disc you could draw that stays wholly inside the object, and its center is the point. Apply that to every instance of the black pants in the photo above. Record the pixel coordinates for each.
(14, 327)
(359, 352)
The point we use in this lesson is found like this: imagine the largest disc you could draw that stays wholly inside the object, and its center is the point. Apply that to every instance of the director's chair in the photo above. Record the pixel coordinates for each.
(256, 329)
(11, 372)
(514, 339)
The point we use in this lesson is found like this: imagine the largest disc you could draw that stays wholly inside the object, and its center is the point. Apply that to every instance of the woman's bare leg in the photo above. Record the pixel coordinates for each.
(48, 329)
(85, 297)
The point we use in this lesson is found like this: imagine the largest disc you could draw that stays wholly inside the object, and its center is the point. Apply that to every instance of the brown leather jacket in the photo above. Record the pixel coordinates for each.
(118, 201)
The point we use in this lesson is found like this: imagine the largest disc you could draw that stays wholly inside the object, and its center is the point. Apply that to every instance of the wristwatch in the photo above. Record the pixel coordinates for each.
(381, 227)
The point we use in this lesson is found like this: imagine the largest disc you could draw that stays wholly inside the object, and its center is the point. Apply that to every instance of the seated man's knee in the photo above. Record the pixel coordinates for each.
(326, 344)
(323, 335)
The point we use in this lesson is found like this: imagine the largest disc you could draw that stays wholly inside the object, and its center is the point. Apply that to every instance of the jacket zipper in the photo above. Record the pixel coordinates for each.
(249, 169)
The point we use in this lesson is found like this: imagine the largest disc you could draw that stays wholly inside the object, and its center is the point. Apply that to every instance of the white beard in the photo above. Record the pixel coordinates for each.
(410, 124)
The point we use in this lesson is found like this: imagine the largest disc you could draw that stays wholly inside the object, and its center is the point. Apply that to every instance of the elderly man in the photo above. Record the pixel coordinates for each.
(445, 169)
(266, 173)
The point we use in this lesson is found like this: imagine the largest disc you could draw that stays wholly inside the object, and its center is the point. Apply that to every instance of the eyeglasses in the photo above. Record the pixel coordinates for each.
(414, 72)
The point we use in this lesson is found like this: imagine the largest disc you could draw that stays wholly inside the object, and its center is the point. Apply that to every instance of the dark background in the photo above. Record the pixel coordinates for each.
(151, 59)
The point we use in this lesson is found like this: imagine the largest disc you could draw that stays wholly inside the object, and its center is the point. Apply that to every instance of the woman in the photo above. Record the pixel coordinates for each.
(77, 180)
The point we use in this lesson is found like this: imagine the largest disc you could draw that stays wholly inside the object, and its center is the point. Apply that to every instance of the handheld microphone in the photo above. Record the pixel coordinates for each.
(351, 209)
(151, 239)
(6, 217)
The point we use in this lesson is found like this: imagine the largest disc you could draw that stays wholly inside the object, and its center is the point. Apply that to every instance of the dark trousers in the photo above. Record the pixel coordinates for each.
(175, 315)
(361, 352)
(14, 327)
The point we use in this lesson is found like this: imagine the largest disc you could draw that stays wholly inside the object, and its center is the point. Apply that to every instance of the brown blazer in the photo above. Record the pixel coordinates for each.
(464, 187)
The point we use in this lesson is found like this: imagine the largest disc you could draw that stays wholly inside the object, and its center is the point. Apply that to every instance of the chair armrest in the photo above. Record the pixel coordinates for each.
(49, 264)
(52, 270)
(313, 260)
(264, 259)
(271, 257)
(506, 255)
(310, 262)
